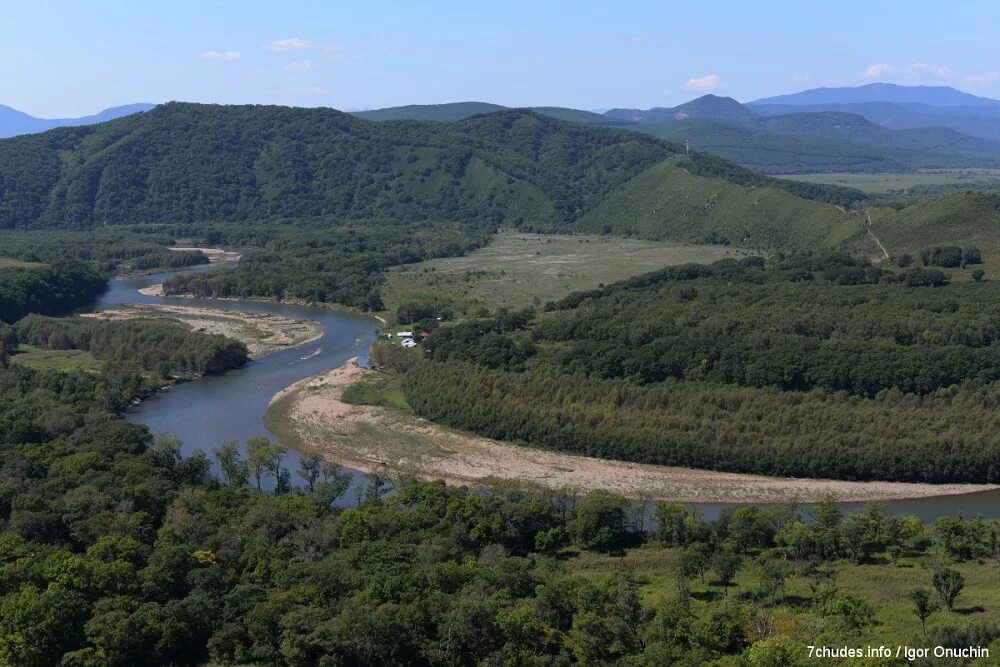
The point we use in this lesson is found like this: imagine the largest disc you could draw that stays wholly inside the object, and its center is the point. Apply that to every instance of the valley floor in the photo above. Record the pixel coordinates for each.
(311, 415)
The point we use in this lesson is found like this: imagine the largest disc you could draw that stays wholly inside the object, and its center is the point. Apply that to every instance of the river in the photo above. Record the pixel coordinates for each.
(218, 408)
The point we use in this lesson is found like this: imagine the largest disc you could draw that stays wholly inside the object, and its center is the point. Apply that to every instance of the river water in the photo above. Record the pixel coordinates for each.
(218, 408)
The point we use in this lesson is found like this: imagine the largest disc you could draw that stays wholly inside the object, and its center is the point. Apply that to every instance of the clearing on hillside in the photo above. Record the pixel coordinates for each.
(883, 183)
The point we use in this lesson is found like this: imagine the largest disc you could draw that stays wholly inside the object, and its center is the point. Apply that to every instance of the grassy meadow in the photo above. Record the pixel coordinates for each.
(64, 361)
(519, 270)
(885, 585)
(11, 263)
(883, 183)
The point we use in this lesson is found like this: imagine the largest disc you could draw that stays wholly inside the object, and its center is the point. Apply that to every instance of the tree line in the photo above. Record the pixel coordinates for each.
(56, 288)
(118, 550)
(814, 366)
(167, 348)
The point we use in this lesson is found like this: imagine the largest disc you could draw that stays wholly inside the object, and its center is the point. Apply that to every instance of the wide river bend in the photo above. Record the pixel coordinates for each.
(218, 408)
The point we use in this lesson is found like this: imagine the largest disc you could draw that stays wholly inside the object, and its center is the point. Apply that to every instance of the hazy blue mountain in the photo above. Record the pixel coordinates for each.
(14, 122)
(935, 96)
(811, 138)
(710, 107)
(903, 117)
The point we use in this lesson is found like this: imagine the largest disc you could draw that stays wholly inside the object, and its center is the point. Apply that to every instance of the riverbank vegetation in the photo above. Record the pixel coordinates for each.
(261, 333)
(165, 348)
(817, 366)
(119, 551)
(123, 249)
(315, 263)
(49, 289)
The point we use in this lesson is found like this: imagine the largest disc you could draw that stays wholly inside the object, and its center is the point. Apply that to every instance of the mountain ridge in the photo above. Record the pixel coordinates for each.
(15, 123)
(189, 164)
(936, 96)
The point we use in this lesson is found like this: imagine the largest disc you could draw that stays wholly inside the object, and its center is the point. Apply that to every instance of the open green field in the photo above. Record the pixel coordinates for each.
(56, 360)
(885, 585)
(518, 270)
(10, 262)
(883, 183)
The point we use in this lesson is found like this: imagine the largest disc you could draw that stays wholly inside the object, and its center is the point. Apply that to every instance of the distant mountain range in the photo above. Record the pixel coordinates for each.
(932, 96)
(14, 122)
(878, 127)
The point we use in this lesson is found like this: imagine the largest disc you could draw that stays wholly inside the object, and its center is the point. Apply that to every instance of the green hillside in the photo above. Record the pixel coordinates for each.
(774, 153)
(797, 141)
(964, 218)
(446, 113)
(579, 116)
(455, 111)
(188, 163)
(667, 201)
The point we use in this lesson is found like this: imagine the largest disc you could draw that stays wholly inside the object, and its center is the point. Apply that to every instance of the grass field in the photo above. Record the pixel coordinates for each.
(56, 360)
(886, 586)
(882, 183)
(10, 262)
(519, 270)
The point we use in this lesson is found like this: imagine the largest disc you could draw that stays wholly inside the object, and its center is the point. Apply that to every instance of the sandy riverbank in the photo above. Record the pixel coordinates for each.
(262, 333)
(215, 255)
(311, 415)
(157, 290)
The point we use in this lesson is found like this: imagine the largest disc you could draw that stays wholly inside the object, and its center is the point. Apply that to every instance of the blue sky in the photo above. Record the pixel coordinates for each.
(70, 58)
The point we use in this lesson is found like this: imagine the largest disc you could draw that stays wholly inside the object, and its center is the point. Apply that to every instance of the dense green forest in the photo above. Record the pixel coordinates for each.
(784, 143)
(56, 288)
(121, 249)
(201, 163)
(168, 348)
(314, 262)
(117, 551)
(816, 366)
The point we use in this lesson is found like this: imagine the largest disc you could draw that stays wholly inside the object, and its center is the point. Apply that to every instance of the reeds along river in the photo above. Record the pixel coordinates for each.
(215, 409)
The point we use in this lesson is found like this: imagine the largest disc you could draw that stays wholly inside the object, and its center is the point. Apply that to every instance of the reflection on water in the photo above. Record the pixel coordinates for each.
(219, 408)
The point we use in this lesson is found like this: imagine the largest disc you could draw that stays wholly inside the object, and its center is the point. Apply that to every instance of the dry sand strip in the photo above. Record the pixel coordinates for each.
(310, 415)
(262, 333)
(215, 255)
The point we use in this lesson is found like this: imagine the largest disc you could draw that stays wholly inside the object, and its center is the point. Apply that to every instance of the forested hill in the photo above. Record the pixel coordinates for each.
(189, 163)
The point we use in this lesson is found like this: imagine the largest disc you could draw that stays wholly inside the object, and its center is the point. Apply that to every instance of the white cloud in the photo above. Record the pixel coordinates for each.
(800, 78)
(939, 71)
(981, 79)
(916, 70)
(221, 55)
(290, 44)
(704, 84)
(300, 66)
(877, 70)
(311, 90)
